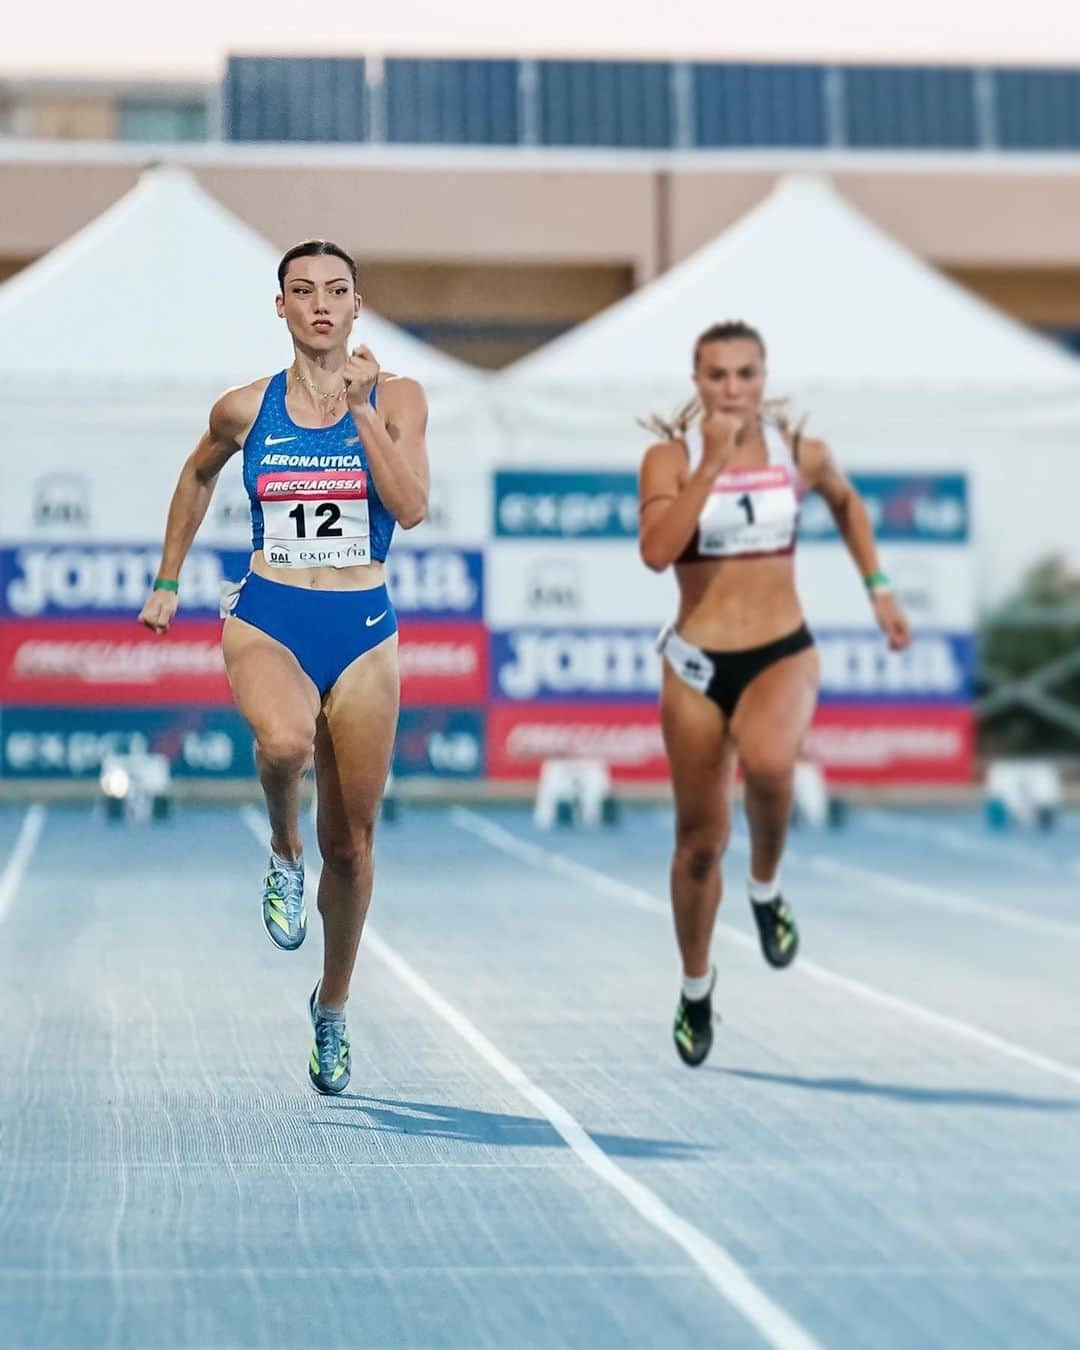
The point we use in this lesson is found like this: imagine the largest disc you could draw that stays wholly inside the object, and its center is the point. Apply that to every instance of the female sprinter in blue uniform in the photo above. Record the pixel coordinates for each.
(719, 500)
(334, 455)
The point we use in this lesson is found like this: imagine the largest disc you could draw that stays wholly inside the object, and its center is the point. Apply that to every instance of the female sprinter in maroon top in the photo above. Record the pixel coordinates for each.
(720, 497)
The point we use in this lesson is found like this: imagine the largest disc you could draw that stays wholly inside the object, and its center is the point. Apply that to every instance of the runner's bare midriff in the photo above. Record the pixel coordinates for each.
(737, 602)
(362, 578)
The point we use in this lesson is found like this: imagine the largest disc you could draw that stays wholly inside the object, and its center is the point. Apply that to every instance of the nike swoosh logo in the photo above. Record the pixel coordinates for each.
(278, 440)
(352, 440)
(370, 622)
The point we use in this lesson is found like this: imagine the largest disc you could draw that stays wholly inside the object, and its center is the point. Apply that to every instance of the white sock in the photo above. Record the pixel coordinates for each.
(280, 864)
(695, 987)
(334, 1011)
(763, 892)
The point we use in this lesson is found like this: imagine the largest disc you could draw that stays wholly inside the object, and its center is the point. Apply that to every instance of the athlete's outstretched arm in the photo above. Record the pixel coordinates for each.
(821, 473)
(229, 419)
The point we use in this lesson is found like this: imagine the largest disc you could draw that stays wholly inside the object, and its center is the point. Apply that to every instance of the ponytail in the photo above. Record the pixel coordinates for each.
(675, 427)
(775, 412)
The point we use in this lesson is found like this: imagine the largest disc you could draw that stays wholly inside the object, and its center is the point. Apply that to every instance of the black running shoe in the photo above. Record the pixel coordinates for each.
(777, 930)
(693, 1027)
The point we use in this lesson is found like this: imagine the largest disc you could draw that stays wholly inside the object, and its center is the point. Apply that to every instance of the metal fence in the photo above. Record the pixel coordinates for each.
(1029, 677)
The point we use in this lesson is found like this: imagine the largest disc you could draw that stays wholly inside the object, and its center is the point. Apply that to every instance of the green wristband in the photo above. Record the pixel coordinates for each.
(877, 581)
(164, 584)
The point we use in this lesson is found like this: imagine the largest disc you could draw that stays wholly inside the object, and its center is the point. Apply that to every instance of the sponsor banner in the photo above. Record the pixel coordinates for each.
(459, 510)
(53, 501)
(626, 736)
(443, 663)
(598, 584)
(935, 585)
(541, 664)
(111, 662)
(119, 662)
(75, 580)
(128, 495)
(565, 505)
(60, 503)
(111, 475)
(920, 507)
(440, 742)
(858, 667)
(931, 507)
(50, 493)
(894, 744)
(227, 522)
(436, 583)
(72, 742)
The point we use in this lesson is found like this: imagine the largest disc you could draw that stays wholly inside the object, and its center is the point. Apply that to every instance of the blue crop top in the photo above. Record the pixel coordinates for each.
(313, 500)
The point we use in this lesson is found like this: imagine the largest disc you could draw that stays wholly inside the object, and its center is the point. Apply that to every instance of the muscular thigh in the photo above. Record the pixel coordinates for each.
(773, 713)
(700, 754)
(355, 740)
(271, 691)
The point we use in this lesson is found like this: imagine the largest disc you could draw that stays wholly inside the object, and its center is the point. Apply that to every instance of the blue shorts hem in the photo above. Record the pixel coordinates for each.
(325, 630)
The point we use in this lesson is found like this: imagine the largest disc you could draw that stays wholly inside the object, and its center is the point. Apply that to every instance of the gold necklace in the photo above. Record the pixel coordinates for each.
(319, 393)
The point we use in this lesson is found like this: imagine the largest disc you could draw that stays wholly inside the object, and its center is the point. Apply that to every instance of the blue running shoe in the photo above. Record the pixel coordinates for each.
(328, 1067)
(284, 912)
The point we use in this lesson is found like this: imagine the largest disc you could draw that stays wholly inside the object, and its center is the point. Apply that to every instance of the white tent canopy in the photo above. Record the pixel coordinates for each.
(897, 366)
(114, 345)
(167, 285)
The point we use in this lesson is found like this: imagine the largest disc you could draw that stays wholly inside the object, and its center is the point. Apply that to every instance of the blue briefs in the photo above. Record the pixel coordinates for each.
(325, 630)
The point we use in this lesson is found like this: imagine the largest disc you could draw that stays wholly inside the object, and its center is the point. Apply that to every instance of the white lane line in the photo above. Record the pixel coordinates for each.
(808, 1271)
(256, 823)
(606, 885)
(13, 873)
(932, 897)
(989, 848)
(555, 862)
(776, 1327)
(935, 898)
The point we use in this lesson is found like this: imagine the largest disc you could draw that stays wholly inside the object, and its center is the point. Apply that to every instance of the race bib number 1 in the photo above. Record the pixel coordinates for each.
(315, 519)
(749, 511)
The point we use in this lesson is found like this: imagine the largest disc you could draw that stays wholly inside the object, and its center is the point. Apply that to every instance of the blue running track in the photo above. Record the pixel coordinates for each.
(882, 1151)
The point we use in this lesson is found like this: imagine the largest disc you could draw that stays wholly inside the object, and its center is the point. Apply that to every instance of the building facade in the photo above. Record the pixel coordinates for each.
(495, 203)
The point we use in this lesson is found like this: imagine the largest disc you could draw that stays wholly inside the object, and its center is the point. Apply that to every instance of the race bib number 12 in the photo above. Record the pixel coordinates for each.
(315, 519)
